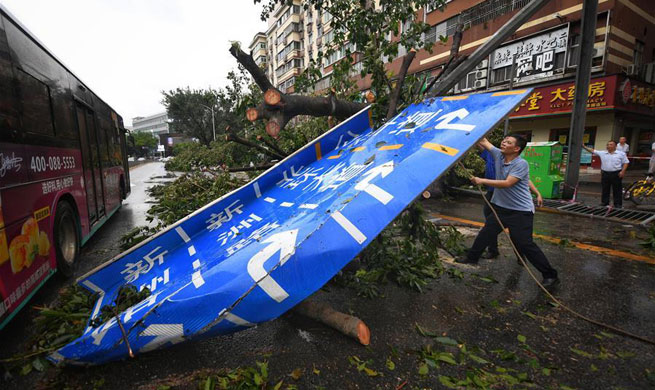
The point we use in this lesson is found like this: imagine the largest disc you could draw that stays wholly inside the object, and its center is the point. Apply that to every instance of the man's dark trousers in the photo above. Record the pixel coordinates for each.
(520, 230)
(611, 179)
(488, 214)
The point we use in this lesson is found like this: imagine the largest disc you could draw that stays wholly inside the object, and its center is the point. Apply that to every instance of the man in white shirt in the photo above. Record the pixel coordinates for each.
(623, 146)
(651, 165)
(613, 165)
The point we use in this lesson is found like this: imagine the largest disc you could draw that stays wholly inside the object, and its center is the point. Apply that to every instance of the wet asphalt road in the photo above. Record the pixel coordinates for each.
(488, 308)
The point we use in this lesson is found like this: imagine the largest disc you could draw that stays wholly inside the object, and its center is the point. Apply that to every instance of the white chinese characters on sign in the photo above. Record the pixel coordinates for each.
(555, 41)
(216, 220)
(132, 271)
(256, 235)
(236, 230)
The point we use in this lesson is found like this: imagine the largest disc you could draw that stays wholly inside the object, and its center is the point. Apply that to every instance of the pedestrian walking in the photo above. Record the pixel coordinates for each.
(513, 203)
(613, 165)
(622, 146)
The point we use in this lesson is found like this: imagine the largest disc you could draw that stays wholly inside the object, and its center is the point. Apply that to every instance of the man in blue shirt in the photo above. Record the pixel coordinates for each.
(489, 173)
(513, 204)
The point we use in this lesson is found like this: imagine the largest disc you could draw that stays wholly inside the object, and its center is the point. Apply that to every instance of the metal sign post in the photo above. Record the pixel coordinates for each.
(582, 76)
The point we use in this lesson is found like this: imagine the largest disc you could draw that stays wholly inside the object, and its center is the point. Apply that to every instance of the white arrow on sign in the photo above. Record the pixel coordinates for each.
(164, 333)
(378, 193)
(285, 243)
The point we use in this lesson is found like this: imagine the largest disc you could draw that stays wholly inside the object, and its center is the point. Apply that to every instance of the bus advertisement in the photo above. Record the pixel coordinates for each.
(63, 166)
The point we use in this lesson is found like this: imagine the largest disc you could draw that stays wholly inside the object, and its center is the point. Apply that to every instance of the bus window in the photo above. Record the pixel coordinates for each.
(8, 110)
(34, 96)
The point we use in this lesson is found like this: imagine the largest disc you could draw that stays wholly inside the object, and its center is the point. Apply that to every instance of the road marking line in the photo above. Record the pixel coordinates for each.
(269, 199)
(378, 193)
(238, 320)
(506, 93)
(182, 234)
(449, 98)
(441, 148)
(258, 193)
(391, 147)
(555, 240)
(310, 206)
(286, 204)
(349, 227)
(196, 264)
(192, 250)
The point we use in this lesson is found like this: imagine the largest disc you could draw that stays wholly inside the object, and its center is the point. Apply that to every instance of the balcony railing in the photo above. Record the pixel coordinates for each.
(489, 10)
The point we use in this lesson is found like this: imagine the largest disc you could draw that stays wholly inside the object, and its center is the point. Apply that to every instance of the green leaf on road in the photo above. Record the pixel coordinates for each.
(391, 365)
(423, 369)
(581, 352)
(446, 341)
(521, 338)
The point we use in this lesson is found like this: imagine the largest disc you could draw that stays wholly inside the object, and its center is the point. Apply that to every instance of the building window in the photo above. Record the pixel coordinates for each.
(443, 29)
(638, 53)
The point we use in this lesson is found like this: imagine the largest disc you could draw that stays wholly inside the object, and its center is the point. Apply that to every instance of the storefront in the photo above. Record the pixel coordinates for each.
(616, 106)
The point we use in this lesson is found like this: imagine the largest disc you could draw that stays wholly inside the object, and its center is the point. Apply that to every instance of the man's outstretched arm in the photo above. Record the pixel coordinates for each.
(486, 144)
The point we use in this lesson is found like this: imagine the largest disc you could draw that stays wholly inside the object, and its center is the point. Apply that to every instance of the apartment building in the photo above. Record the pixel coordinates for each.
(285, 45)
(258, 49)
(542, 53)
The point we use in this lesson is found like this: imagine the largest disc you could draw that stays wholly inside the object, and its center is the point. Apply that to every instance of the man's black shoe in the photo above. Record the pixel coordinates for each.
(465, 260)
(550, 282)
(490, 255)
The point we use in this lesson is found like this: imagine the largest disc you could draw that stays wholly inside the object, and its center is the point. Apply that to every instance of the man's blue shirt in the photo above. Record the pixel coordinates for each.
(490, 167)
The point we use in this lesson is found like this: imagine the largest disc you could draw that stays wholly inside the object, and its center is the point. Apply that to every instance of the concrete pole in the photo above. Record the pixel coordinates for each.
(582, 76)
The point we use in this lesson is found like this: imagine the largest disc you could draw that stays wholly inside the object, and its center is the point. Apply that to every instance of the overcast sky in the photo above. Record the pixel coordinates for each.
(128, 51)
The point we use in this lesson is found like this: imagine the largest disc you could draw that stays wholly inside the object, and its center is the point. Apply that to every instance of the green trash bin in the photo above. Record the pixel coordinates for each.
(545, 159)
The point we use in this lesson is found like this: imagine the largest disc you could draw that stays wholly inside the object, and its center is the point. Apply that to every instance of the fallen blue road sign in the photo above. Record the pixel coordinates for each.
(253, 254)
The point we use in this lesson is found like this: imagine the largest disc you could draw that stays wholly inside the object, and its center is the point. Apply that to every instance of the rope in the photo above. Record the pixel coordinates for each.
(545, 290)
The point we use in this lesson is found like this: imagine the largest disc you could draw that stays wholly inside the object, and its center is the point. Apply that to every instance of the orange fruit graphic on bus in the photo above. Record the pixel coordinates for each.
(19, 251)
(44, 244)
(31, 229)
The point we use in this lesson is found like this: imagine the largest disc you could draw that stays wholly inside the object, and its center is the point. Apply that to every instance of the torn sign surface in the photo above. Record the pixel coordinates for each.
(253, 254)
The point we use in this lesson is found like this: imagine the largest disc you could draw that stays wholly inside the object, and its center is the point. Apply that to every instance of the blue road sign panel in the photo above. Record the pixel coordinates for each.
(253, 254)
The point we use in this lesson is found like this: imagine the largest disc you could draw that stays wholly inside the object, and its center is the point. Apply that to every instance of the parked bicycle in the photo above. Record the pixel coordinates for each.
(641, 191)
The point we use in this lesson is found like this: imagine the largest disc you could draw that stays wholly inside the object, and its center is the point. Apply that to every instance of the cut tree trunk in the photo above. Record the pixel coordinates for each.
(279, 108)
(349, 325)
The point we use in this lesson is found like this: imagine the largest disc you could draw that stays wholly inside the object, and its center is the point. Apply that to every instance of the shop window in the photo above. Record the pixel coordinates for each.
(526, 134)
(562, 135)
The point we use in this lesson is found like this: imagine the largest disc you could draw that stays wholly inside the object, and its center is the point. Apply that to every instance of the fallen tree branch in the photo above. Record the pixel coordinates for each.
(231, 136)
(279, 108)
(272, 145)
(261, 167)
(349, 325)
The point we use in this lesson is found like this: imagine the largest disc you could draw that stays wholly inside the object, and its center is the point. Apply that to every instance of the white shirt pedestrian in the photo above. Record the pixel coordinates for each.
(625, 148)
(651, 165)
(611, 162)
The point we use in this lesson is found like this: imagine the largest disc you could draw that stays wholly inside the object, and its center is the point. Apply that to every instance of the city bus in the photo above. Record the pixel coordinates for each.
(63, 165)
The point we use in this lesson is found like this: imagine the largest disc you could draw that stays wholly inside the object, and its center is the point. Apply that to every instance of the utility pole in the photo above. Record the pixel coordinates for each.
(511, 85)
(211, 108)
(482, 52)
(582, 76)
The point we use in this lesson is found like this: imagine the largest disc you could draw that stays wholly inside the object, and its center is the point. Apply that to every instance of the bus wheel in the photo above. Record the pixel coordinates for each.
(67, 240)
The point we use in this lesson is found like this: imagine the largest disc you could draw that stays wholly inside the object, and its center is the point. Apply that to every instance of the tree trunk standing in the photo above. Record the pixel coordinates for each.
(397, 91)
(279, 108)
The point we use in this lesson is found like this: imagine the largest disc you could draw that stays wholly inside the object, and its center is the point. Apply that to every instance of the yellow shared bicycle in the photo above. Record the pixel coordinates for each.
(641, 191)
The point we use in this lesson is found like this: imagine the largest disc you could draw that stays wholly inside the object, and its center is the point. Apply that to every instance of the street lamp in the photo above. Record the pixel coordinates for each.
(213, 121)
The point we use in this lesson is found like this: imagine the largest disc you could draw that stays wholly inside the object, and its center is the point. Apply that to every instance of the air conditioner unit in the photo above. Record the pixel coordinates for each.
(481, 74)
(480, 83)
(632, 70)
(482, 65)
